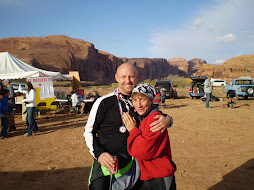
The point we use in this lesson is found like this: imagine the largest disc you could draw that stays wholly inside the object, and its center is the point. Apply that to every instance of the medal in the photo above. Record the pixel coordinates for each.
(122, 129)
(127, 104)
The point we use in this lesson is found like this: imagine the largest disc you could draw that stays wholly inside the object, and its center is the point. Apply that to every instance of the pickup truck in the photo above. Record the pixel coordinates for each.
(242, 88)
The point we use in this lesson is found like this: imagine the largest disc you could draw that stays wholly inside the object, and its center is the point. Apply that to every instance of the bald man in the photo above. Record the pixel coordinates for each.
(106, 135)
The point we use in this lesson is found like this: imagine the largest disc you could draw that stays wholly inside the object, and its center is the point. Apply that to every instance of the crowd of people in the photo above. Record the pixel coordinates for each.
(120, 125)
(126, 133)
(76, 100)
(8, 107)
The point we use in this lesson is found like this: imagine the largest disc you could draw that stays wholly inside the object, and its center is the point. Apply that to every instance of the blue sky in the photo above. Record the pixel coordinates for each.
(213, 30)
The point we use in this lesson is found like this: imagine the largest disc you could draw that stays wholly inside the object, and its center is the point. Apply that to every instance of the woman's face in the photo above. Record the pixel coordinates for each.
(141, 103)
(26, 86)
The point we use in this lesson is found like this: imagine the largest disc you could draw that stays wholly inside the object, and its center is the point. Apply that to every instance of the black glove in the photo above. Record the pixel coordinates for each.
(26, 102)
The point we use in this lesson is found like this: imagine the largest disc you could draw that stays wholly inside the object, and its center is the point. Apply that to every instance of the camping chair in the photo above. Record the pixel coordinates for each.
(41, 108)
(54, 106)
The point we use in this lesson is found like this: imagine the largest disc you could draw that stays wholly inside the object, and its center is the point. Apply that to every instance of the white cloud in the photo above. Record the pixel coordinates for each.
(226, 38)
(220, 61)
(211, 24)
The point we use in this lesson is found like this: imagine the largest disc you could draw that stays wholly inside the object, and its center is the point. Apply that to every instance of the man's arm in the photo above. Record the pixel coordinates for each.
(91, 130)
(162, 123)
(96, 116)
(12, 94)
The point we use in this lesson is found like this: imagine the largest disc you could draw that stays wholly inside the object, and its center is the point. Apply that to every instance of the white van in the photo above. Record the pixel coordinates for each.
(218, 82)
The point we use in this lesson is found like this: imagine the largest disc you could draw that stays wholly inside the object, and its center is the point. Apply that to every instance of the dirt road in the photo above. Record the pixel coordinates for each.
(212, 148)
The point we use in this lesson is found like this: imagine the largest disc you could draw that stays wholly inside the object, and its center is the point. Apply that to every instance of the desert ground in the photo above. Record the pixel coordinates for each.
(212, 148)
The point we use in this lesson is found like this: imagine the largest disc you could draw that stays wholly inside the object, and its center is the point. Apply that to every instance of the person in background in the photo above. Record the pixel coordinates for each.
(89, 96)
(231, 96)
(95, 95)
(69, 98)
(1, 88)
(11, 105)
(76, 103)
(80, 97)
(163, 96)
(157, 98)
(208, 91)
(4, 112)
(152, 150)
(92, 96)
(195, 89)
(31, 106)
(106, 136)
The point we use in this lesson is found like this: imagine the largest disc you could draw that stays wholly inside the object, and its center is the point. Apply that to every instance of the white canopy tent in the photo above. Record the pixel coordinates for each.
(13, 68)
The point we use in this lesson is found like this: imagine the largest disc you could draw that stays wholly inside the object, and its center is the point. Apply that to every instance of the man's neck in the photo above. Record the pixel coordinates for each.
(124, 93)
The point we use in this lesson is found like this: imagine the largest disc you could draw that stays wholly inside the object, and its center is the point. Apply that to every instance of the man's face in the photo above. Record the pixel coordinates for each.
(6, 83)
(127, 78)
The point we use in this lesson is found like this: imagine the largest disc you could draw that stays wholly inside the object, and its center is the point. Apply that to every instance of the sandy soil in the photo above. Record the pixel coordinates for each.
(212, 148)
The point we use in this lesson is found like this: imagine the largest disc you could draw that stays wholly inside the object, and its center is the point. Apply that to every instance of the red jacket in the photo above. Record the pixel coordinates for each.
(152, 150)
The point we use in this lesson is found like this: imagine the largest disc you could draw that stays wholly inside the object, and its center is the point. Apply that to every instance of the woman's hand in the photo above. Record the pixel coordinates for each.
(129, 122)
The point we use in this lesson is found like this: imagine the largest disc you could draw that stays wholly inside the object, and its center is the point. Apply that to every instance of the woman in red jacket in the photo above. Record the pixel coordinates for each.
(152, 150)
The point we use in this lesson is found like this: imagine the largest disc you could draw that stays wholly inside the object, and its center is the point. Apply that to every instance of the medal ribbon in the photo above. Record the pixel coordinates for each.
(117, 92)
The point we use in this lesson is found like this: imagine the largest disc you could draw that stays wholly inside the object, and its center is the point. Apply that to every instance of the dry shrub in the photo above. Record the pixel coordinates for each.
(179, 81)
(151, 82)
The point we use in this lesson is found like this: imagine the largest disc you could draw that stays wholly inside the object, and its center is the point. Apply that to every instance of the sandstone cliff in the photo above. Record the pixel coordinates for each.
(189, 67)
(64, 54)
(230, 69)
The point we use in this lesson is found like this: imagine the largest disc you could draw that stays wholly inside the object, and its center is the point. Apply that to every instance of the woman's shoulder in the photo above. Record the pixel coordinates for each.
(153, 114)
(156, 112)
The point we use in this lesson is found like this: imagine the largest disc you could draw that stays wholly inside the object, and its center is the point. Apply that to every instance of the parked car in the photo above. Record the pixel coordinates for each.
(218, 82)
(19, 87)
(242, 88)
(167, 86)
(197, 86)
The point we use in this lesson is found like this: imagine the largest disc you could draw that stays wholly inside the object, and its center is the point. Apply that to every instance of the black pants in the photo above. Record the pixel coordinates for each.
(101, 183)
(155, 184)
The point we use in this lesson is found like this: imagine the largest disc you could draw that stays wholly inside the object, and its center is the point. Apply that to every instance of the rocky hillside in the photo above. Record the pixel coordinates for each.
(233, 68)
(64, 54)
(188, 67)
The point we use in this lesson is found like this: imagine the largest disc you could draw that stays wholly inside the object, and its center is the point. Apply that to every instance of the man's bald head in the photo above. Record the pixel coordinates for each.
(127, 78)
(126, 66)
